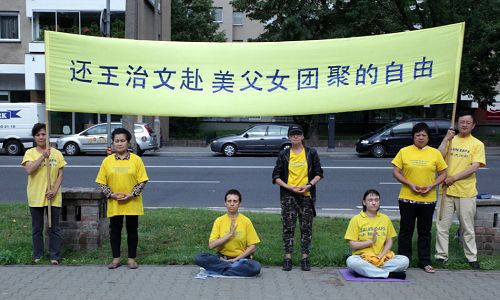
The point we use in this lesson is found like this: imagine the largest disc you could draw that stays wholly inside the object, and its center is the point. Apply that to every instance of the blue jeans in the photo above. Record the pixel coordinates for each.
(243, 268)
(398, 263)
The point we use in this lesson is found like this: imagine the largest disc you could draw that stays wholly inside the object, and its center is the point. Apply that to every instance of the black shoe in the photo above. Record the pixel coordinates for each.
(474, 265)
(287, 264)
(305, 265)
(397, 275)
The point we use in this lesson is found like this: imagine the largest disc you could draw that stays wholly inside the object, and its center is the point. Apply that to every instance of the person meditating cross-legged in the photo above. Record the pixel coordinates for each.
(235, 239)
(370, 236)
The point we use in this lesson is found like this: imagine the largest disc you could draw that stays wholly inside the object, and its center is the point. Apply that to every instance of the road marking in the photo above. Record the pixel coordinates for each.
(181, 181)
(389, 183)
(271, 208)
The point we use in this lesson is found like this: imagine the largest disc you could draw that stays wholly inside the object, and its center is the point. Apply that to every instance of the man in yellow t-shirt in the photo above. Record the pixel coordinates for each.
(466, 155)
(235, 239)
(370, 235)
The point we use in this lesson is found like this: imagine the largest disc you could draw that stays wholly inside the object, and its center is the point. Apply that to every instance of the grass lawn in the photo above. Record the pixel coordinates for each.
(175, 236)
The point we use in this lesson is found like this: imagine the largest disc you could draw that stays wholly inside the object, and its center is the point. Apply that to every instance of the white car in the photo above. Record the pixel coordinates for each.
(94, 139)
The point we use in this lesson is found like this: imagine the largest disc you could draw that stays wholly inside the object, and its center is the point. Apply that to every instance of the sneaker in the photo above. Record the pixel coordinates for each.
(305, 265)
(287, 264)
(37, 260)
(54, 262)
(474, 265)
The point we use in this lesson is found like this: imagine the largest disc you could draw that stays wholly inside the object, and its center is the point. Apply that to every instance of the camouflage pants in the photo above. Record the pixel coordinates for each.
(293, 205)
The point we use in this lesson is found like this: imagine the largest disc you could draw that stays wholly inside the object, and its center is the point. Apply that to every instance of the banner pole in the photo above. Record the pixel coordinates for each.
(47, 163)
(447, 159)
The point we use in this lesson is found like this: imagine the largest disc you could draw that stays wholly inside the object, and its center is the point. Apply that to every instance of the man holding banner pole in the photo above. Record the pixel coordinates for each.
(38, 161)
(466, 154)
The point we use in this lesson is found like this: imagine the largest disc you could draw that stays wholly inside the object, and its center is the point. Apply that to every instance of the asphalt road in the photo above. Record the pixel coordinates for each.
(200, 179)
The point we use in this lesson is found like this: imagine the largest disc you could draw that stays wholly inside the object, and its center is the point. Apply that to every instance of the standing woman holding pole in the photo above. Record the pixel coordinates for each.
(44, 164)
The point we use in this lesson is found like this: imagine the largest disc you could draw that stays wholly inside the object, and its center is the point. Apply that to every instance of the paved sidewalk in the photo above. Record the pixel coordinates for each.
(177, 282)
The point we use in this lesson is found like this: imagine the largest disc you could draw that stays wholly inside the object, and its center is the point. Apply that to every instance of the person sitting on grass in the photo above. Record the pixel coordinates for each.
(370, 236)
(235, 239)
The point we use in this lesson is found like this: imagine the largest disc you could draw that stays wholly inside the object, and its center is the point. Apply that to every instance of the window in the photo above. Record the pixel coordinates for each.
(4, 96)
(217, 14)
(9, 26)
(257, 131)
(404, 128)
(86, 23)
(237, 18)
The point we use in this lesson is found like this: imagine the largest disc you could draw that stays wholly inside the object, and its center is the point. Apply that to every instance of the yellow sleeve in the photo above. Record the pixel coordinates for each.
(142, 176)
(60, 160)
(391, 232)
(478, 154)
(215, 234)
(102, 176)
(441, 163)
(398, 160)
(252, 237)
(28, 156)
(352, 232)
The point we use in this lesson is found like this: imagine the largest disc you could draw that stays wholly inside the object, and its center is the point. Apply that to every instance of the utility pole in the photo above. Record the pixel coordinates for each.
(108, 116)
(130, 33)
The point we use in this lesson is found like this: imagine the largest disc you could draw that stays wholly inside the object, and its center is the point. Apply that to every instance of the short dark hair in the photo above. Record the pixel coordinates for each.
(121, 131)
(368, 192)
(233, 192)
(466, 112)
(421, 127)
(37, 127)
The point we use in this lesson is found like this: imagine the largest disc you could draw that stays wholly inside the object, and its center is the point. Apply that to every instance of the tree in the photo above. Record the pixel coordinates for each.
(192, 22)
(320, 19)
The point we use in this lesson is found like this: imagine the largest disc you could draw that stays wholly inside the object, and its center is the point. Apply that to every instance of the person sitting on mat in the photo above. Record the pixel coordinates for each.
(235, 238)
(370, 236)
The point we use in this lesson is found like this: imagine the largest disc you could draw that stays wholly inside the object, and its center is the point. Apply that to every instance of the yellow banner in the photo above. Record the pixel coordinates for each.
(136, 77)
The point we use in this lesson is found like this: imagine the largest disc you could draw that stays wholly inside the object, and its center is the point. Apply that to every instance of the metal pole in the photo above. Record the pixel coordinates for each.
(108, 116)
(331, 133)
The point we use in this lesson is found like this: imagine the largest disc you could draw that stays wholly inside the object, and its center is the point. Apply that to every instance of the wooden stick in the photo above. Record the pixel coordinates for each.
(447, 159)
(47, 163)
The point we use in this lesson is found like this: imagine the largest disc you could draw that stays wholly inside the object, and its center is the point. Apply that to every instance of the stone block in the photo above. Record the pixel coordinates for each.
(484, 252)
(479, 230)
(493, 231)
(483, 223)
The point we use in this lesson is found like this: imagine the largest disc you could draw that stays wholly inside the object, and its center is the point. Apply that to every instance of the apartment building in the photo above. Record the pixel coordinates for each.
(235, 24)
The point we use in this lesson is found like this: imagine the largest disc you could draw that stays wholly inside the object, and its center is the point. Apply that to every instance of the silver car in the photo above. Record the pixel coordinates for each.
(256, 139)
(94, 139)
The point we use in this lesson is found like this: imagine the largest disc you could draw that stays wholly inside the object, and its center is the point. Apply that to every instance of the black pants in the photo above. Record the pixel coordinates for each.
(115, 234)
(37, 232)
(422, 214)
(293, 206)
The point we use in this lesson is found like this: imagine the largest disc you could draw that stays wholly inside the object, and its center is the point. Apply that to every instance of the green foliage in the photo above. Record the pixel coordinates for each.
(320, 19)
(181, 127)
(192, 22)
(175, 236)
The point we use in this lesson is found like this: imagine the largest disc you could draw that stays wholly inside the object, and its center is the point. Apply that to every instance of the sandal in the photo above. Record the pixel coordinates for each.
(113, 265)
(132, 264)
(429, 269)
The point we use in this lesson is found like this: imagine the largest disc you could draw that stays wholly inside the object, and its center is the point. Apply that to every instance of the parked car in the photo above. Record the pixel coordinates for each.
(396, 135)
(257, 139)
(94, 139)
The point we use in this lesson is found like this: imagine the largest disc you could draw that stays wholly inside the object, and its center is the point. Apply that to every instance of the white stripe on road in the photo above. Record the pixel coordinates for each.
(181, 181)
(210, 167)
(389, 183)
(271, 208)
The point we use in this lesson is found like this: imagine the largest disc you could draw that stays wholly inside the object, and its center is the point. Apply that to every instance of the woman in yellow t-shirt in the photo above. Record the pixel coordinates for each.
(416, 166)
(34, 162)
(122, 178)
